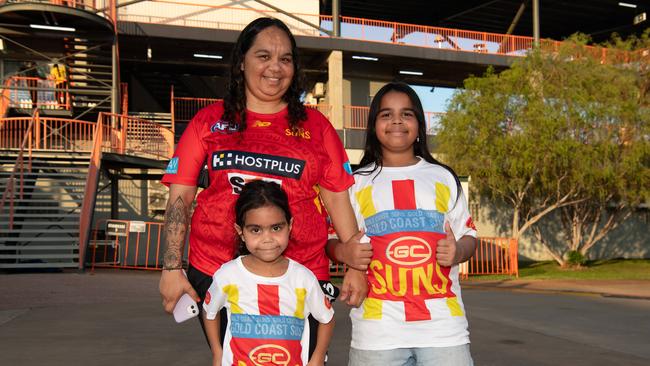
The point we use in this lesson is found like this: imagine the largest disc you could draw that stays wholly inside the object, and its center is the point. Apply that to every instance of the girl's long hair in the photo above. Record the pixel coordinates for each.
(372, 152)
(234, 103)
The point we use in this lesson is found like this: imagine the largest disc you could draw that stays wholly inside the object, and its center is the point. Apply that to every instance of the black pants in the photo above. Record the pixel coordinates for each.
(201, 283)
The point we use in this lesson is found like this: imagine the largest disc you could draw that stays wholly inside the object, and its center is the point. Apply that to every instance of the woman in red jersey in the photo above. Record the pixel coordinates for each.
(260, 131)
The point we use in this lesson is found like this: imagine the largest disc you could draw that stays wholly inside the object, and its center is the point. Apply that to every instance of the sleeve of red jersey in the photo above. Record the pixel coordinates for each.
(337, 174)
(189, 157)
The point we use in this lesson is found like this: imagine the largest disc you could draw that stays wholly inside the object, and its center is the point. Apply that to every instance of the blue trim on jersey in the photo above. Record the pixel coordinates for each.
(266, 326)
(397, 221)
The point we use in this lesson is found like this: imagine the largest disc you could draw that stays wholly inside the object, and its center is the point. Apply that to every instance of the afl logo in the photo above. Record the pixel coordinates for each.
(408, 251)
(269, 354)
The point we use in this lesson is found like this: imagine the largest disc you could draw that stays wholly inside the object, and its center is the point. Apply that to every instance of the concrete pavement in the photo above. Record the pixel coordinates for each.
(114, 317)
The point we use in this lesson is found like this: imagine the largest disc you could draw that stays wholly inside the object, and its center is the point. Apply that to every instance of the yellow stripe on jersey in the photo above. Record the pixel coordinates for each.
(372, 308)
(443, 286)
(442, 197)
(364, 197)
(232, 293)
(300, 303)
(241, 363)
(454, 306)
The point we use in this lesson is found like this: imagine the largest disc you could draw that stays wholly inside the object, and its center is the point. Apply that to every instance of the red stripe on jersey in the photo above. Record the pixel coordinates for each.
(268, 299)
(404, 199)
(404, 194)
(415, 310)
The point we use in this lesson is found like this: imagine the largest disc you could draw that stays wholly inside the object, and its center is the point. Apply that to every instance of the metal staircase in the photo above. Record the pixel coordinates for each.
(89, 66)
(161, 118)
(45, 232)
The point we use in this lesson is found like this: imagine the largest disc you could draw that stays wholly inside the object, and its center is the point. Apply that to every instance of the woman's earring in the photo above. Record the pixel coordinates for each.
(417, 139)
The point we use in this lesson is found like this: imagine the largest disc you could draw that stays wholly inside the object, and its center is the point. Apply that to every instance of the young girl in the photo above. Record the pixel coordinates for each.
(413, 210)
(267, 296)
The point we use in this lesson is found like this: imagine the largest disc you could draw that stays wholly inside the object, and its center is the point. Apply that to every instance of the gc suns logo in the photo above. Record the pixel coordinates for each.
(409, 251)
(269, 354)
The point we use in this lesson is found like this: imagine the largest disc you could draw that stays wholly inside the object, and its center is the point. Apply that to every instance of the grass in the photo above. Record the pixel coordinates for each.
(611, 269)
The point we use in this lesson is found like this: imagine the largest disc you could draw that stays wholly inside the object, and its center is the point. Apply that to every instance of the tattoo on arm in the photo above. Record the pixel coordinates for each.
(176, 224)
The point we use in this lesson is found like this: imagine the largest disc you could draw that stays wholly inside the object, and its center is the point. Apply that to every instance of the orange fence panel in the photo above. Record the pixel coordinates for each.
(493, 256)
(128, 244)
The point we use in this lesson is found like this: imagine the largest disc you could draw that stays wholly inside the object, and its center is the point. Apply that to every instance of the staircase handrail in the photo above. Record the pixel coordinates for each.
(90, 192)
(9, 191)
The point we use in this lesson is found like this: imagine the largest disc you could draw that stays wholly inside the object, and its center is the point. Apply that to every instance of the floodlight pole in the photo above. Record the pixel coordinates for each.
(536, 23)
(115, 67)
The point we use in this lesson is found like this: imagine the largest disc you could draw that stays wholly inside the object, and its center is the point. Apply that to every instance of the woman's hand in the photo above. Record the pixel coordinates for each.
(172, 286)
(355, 254)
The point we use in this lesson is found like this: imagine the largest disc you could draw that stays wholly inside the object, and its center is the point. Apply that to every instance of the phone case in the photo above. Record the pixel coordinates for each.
(186, 308)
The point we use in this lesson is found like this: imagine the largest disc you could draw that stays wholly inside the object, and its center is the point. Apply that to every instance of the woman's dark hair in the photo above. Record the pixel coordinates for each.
(258, 194)
(234, 103)
(372, 152)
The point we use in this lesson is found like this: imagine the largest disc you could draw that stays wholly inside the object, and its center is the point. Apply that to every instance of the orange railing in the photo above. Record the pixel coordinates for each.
(138, 246)
(183, 109)
(19, 168)
(47, 133)
(493, 256)
(202, 15)
(117, 133)
(135, 136)
(122, 135)
(32, 92)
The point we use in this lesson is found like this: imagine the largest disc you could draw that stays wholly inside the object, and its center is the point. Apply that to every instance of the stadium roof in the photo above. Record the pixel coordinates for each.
(558, 18)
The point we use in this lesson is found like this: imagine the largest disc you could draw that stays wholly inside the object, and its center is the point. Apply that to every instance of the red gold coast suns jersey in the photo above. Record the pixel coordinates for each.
(267, 316)
(299, 159)
(412, 300)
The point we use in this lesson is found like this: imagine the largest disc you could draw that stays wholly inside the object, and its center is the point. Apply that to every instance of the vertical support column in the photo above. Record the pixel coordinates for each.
(115, 195)
(115, 69)
(335, 88)
(536, 23)
(336, 20)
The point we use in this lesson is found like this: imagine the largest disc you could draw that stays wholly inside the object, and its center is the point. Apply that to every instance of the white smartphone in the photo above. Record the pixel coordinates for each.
(186, 308)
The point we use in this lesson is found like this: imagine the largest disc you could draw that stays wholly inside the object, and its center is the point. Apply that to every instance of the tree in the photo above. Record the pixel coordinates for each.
(557, 131)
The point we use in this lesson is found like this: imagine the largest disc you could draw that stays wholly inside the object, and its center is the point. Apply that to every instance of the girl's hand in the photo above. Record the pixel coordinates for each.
(216, 359)
(355, 287)
(447, 249)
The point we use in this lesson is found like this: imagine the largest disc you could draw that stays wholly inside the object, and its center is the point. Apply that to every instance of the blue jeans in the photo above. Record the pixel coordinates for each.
(429, 356)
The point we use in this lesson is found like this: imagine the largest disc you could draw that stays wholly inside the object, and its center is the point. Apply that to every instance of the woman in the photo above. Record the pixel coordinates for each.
(260, 131)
